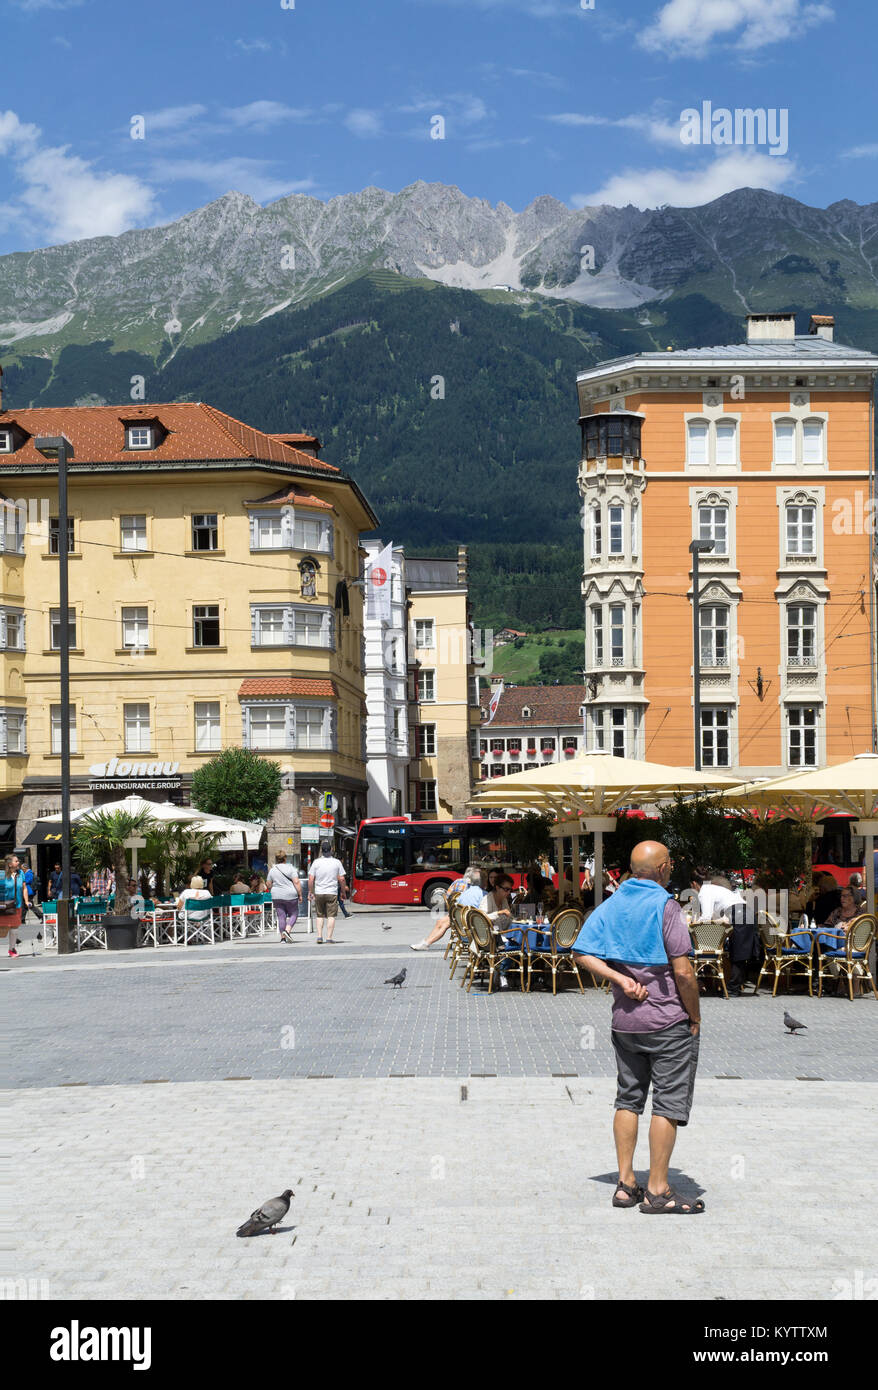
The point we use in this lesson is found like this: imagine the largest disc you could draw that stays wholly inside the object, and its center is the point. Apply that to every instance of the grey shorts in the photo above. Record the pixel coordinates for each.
(667, 1060)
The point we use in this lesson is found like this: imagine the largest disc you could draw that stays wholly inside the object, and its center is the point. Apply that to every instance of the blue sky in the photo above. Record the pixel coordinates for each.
(324, 97)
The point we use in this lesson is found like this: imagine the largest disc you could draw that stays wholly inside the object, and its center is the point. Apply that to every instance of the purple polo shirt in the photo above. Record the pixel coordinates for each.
(663, 1006)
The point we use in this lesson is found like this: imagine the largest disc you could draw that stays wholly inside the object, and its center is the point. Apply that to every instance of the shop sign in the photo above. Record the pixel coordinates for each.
(121, 774)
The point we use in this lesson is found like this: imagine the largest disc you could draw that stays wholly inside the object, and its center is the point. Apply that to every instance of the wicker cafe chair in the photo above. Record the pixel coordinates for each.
(487, 952)
(786, 952)
(852, 954)
(709, 940)
(458, 939)
(564, 929)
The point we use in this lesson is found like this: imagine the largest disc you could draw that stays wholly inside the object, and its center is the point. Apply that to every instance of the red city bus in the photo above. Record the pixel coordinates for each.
(402, 861)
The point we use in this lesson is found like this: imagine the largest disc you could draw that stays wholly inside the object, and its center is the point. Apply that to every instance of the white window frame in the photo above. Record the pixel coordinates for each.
(595, 530)
(617, 628)
(795, 528)
(134, 725)
(139, 436)
(615, 529)
(423, 683)
(801, 633)
(19, 716)
(798, 418)
(290, 711)
(18, 615)
(55, 621)
(425, 634)
(710, 530)
(55, 535)
(711, 729)
(208, 726)
(712, 419)
(427, 795)
(425, 739)
(135, 531)
(140, 625)
(598, 650)
(196, 616)
(714, 632)
(55, 729)
(7, 444)
(794, 725)
(205, 526)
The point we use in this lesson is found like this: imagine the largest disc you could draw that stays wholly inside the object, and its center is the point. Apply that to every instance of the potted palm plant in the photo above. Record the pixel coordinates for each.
(99, 842)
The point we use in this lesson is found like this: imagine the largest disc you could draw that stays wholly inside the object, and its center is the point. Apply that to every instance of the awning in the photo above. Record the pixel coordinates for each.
(44, 833)
(345, 830)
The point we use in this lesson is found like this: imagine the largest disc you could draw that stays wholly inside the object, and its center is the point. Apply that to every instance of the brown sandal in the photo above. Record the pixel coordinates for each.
(659, 1204)
(635, 1194)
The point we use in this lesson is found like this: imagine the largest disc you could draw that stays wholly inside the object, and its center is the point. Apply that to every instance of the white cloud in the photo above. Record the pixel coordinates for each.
(688, 28)
(31, 6)
(862, 152)
(172, 117)
(655, 128)
(462, 108)
(651, 188)
(66, 198)
(538, 9)
(263, 114)
(363, 123)
(260, 46)
(252, 176)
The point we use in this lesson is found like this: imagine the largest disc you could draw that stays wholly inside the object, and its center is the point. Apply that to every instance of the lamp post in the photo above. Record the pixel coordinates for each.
(59, 447)
(697, 548)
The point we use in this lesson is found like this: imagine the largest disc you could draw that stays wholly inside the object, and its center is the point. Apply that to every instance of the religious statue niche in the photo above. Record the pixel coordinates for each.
(308, 577)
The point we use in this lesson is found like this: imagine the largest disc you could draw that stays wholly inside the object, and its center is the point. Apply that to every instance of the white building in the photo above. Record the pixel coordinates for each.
(384, 663)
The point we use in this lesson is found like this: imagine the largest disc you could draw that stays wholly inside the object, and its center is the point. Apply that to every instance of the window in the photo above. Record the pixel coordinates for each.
(497, 770)
(785, 442)
(569, 743)
(205, 625)
(802, 736)
(616, 516)
(611, 434)
(425, 633)
(813, 448)
(14, 522)
(426, 796)
(207, 726)
(311, 628)
(54, 535)
(595, 528)
(483, 747)
(801, 634)
(513, 767)
(527, 712)
(396, 727)
(474, 692)
(597, 634)
(713, 525)
(267, 531)
(136, 728)
(715, 738)
(138, 437)
(12, 731)
(205, 531)
(634, 545)
(425, 740)
(55, 720)
(268, 627)
(635, 638)
(310, 726)
(696, 453)
(133, 531)
(11, 630)
(55, 627)
(617, 634)
(268, 726)
(618, 722)
(135, 627)
(597, 729)
(801, 530)
(5, 441)
(726, 443)
(426, 685)
(714, 624)
(309, 533)
(395, 801)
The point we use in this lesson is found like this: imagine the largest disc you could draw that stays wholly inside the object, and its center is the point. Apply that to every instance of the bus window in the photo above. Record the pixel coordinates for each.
(433, 849)
(488, 849)
(381, 853)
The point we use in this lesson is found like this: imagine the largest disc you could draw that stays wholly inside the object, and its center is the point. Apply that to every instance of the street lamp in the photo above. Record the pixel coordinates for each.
(697, 548)
(59, 447)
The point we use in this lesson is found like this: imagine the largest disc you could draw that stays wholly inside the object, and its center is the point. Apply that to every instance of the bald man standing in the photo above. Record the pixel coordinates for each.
(639, 941)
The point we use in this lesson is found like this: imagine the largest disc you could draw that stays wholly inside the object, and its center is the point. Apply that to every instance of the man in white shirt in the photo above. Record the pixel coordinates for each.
(325, 881)
(713, 900)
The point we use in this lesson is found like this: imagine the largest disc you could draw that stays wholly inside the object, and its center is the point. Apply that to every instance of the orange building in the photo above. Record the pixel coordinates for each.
(764, 449)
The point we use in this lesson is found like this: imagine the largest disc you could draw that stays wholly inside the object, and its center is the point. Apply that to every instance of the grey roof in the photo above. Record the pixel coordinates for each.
(430, 573)
(801, 350)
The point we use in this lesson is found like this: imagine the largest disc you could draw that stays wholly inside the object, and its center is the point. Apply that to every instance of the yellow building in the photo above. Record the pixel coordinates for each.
(444, 713)
(210, 606)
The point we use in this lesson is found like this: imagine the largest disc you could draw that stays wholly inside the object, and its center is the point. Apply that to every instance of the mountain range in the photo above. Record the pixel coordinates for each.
(430, 340)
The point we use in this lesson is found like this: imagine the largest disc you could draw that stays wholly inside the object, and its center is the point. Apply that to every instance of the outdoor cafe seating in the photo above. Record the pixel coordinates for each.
(225, 917)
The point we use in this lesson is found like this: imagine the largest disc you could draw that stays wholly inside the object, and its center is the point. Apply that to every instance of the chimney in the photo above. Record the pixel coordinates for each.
(769, 328)
(461, 566)
(822, 326)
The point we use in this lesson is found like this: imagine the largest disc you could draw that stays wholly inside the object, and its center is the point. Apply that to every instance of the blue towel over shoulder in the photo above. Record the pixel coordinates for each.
(628, 926)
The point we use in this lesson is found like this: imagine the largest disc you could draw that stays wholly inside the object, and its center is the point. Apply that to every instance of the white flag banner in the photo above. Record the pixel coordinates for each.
(378, 585)
(495, 701)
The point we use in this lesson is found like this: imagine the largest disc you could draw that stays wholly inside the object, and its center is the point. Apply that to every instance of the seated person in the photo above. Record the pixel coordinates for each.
(841, 920)
(855, 882)
(240, 884)
(825, 897)
(195, 892)
(715, 900)
(495, 904)
(257, 884)
(467, 891)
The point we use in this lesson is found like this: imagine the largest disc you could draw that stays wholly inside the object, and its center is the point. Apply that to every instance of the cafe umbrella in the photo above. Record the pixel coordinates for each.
(590, 790)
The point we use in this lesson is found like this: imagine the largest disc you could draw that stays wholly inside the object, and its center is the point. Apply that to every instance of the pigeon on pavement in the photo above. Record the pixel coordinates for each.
(385, 927)
(266, 1217)
(396, 980)
(791, 1023)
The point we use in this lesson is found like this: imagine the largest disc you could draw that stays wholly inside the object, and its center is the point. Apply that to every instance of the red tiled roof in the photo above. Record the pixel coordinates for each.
(286, 685)
(195, 431)
(549, 704)
(295, 496)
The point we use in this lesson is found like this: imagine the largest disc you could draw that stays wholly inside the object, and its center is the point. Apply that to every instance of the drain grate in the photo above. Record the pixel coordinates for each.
(463, 1093)
(320, 1076)
(237, 1078)
(155, 1081)
(727, 1076)
(809, 1078)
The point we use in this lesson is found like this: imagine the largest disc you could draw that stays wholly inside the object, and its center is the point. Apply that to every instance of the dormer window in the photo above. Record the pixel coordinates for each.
(527, 712)
(139, 436)
(6, 441)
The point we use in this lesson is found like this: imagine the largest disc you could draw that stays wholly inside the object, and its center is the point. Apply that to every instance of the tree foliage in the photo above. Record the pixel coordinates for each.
(98, 842)
(238, 783)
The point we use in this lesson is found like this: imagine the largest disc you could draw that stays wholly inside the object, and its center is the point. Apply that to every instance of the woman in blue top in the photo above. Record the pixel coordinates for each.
(15, 891)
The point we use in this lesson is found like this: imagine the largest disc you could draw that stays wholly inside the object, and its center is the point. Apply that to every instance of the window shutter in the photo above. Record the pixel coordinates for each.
(287, 526)
(330, 729)
(3, 714)
(254, 539)
(328, 630)
(289, 625)
(245, 726)
(290, 725)
(254, 625)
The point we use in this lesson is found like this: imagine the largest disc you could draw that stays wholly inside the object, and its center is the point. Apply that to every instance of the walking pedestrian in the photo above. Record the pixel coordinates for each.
(326, 880)
(15, 892)
(32, 883)
(639, 941)
(286, 889)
